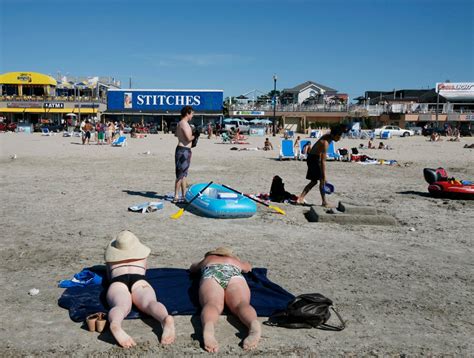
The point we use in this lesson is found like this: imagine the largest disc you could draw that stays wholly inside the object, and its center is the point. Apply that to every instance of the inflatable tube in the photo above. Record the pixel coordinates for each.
(219, 202)
(452, 189)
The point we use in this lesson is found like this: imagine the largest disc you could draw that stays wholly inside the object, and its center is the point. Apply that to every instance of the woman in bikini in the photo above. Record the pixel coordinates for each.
(126, 260)
(222, 284)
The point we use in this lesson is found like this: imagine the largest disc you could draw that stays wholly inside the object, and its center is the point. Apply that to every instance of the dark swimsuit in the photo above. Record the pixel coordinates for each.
(182, 159)
(129, 279)
(314, 167)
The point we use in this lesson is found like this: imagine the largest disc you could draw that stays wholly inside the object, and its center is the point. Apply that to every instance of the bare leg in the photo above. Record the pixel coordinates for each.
(323, 195)
(177, 185)
(211, 297)
(120, 300)
(306, 190)
(143, 296)
(237, 298)
(184, 187)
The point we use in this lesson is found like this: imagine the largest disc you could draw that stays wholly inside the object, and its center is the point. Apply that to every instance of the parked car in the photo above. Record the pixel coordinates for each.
(230, 123)
(430, 130)
(394, 131)
(466, 130)
(5, 127)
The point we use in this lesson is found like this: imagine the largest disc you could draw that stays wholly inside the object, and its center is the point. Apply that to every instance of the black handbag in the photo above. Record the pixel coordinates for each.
(311, 310)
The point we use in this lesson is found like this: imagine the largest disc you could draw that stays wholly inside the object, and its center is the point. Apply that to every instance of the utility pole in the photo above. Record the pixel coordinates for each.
(274, 102)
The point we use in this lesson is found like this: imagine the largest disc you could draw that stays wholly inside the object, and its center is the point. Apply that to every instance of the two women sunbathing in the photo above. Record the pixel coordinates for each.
(221, 284)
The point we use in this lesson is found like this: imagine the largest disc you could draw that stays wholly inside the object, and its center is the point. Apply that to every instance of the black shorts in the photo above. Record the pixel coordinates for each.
(182, 158)
(87, 135)
(314, 167)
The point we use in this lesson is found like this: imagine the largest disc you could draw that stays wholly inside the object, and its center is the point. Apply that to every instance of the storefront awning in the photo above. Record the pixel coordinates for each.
(26, 78)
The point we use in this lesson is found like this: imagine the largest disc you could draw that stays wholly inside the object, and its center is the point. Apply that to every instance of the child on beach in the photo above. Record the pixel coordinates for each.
(222, 284)
(126, 263)
(316, 162)
(267, 145)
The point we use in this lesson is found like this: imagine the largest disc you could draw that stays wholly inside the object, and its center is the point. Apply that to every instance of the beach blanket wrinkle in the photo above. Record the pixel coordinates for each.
(178, 291)
(81, 279)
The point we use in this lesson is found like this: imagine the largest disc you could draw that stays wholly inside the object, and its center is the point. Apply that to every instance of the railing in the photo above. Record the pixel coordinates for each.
(15, 98)
(290, 107)
(416, 108)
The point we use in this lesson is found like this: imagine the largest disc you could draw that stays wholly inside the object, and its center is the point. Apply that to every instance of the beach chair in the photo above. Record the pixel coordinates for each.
(45, 131)
(331, 153)
(120, 141)
(225, 138)
(385, 135)
(287, 150)
(315, 133)
(290, 134)
(303, 142)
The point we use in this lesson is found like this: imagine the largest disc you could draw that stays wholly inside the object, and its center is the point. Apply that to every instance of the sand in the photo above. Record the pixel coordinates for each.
(403, 290)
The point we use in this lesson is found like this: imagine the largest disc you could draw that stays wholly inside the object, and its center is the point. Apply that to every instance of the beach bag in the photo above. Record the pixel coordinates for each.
(311, 310)
(278, 192)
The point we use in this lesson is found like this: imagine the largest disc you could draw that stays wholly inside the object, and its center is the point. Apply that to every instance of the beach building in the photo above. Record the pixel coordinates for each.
(452, 104)
(161, 107)
(31, 99)
(307, 105)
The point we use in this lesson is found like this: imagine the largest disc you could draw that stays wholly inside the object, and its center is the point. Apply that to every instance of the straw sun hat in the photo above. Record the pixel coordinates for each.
(125, 246)
(222, 251)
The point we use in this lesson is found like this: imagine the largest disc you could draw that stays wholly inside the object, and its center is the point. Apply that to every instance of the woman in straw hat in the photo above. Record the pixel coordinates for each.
(222, 283)
(126, 266)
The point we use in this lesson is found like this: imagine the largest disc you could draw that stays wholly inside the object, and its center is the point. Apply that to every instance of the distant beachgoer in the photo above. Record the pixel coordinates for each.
(183, 151)
(381, 145)
(371, 145)
(267, 145)
(86, 135)
(209, 130)
(296, 146)
(306, 148)
(316, 162)
(126, 260)
(222, 284)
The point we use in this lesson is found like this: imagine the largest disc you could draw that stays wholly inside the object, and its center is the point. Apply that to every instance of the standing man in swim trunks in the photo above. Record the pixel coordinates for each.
(183, 151)
(316, 162)
(222, 283)
(86, 136)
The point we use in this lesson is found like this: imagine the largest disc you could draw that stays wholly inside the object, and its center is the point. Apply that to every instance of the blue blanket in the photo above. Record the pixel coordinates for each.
(177, 290)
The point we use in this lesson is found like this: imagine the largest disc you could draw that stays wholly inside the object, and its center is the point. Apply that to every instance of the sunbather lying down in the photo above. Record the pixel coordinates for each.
(222, 284)
(126, 263)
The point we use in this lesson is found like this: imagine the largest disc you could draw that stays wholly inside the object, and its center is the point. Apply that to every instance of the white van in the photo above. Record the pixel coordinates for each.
(229, 123)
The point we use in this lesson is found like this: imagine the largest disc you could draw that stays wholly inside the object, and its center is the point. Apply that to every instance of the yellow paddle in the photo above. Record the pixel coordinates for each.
(276, 208)
(180, 212)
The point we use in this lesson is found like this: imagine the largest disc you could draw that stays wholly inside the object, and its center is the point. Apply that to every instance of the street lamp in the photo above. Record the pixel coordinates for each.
(274, 101)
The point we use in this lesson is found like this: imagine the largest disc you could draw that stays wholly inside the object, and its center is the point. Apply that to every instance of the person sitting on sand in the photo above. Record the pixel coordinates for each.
(222, 284)
(371, 145)
(126, 263)
(317, 164)
(267, 145)
(381, 145)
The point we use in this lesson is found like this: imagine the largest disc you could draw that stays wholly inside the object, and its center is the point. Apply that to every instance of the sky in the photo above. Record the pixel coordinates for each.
(237, 46)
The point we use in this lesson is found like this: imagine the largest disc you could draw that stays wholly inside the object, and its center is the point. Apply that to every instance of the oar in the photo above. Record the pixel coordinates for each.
(277, 209)
(180, 212)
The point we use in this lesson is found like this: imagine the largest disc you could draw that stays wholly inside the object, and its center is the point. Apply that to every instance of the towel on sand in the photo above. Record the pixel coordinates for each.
(177, 290)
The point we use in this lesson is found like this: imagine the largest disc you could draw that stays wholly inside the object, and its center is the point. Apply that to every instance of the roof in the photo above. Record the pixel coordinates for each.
(306, 84)
(26, 78)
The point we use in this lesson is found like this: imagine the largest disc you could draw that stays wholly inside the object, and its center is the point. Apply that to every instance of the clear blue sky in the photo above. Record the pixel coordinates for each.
(352, 46)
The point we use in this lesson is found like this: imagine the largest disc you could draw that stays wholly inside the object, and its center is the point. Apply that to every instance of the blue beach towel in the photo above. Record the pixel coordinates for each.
(177, 290)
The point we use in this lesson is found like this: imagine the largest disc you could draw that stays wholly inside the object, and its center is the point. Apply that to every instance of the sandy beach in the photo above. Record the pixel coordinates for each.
(403, 290)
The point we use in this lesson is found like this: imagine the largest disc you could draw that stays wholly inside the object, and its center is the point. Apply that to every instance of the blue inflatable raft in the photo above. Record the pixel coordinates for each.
(219, 202)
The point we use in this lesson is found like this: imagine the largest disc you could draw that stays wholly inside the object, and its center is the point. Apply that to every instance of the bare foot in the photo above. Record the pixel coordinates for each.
(327, 205)
(210, 342)
(253, 337)
(121, 337)
(168, 335)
